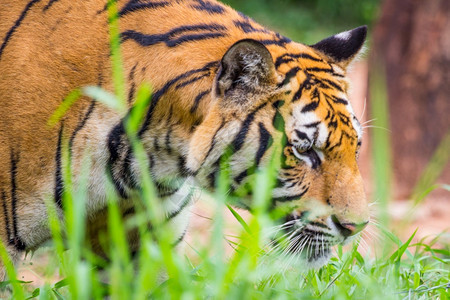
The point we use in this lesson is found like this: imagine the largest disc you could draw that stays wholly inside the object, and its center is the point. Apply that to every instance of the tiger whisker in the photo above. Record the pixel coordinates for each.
(364, 109)
(377, 127)
(368, 121)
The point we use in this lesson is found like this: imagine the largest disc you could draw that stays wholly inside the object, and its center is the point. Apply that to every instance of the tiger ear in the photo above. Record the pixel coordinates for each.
(343, 47)
(247, 68)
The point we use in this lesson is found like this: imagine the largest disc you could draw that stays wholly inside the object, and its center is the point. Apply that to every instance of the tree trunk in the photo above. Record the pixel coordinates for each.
(412, 41)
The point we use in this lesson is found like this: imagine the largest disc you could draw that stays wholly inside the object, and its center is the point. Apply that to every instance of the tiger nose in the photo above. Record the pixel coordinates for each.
(347, 228)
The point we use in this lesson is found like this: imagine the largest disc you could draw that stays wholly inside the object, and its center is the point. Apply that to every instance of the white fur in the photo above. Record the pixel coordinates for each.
(345, 36)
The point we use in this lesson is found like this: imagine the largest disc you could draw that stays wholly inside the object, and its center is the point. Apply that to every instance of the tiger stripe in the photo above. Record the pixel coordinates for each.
(132, 89)
(239, 140)
(205, 5)
(174, 37)
(16, 25)
(291, 57)
(197, 100)
(80, 125)
(16, 240)
(179, 239)
(59, 182)
(49, 5)
(135, 6)
(186, 201)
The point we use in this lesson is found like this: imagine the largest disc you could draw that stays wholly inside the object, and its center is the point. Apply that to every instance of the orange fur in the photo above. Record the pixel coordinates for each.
(53, 49)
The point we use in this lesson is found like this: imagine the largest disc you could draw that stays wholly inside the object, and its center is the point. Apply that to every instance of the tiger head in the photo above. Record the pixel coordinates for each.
(294, 101)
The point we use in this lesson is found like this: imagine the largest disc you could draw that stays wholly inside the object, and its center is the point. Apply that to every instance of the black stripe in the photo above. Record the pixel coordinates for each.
(238, 179)
(313, 157)
(330, 105)
(166, 193)
(6, 215)
(291, 73)
(169, 131)
(277, 104)
(151, 158)
(183, 170)
(17, 242)
(290, 198)
(82, 123)
(339, 100)
(167, 141)
(195, 125)
(188, 82)
(282, 41)
(338, 143)
(302, 135)
(126, 174)
(310, 107)
(265, 141)
(158, 94)
(120, 189)
(246, 27)
(180, 239)
(239, 140)
(312, 125)
(288, 57)
(129, 211)
(291, 184)
(166, 189)
(132, 84)
(136, 5)
(213, 141)
(104, 9)
(317, 224)
(320, 70)
(197, 100)
(59, 183)
(16, 25)
(170, 38)
(344, 119)
(114, 146)
(333, 84)
(182, 206)
(156, 144)
(49, 4)
(333, 122)
(212, 177)
(306, 85)
(212, 8)
(328, 142)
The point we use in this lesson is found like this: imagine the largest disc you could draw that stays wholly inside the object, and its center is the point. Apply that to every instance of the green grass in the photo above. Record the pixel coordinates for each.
(403, 270)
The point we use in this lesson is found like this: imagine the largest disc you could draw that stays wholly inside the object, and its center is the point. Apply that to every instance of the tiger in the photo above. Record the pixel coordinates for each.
(220, 81)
